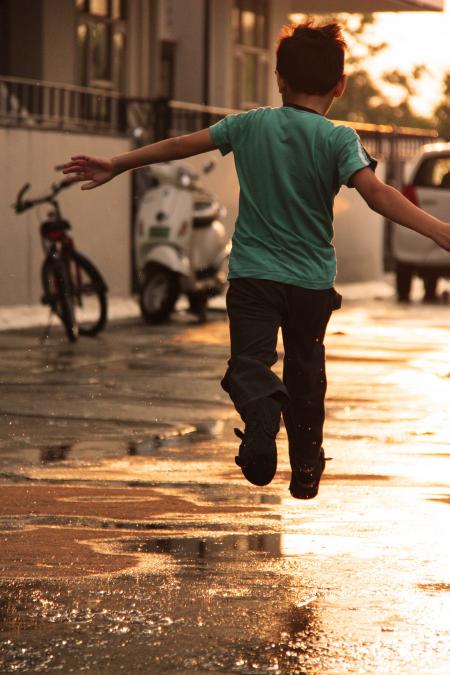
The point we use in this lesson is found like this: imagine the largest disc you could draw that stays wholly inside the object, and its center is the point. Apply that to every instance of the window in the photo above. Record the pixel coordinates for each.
(101, 41)
(434, 172)
(99, 7)
(250, 23)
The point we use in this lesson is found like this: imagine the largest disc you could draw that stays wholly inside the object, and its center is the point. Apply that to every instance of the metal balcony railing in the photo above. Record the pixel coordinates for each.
(172, 118)
(48, 105)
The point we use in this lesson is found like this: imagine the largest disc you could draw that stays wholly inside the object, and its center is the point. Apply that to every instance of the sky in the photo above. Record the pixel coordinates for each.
(416, 38)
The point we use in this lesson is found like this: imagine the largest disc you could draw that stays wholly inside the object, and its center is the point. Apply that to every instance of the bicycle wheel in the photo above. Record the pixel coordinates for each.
(57, 294)
(89, 292)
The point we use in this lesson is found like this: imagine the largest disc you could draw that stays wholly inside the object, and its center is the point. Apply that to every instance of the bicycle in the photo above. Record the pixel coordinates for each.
(72, 286)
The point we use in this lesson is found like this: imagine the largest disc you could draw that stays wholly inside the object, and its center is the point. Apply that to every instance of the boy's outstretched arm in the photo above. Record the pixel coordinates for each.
(100, 170)
(390, 203)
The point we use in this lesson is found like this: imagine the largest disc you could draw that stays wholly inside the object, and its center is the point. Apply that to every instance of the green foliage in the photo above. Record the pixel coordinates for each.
(442, 111)
(364, 99)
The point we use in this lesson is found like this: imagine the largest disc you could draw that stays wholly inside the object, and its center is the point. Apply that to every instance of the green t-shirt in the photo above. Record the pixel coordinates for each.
(291, 163)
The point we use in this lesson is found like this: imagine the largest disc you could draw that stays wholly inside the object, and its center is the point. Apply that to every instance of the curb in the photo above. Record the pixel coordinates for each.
(21, 317)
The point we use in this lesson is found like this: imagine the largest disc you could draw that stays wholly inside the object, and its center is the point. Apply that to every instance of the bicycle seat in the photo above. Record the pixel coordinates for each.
(52, 229)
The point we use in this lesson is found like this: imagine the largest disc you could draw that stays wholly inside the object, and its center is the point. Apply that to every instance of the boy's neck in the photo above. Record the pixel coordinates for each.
(320, 104)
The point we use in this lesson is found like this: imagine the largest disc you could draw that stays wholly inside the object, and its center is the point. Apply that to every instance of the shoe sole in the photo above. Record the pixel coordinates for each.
(260, 469)
(303, 491)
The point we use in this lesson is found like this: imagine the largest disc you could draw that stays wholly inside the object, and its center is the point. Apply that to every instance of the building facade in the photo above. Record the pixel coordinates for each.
(78, 75)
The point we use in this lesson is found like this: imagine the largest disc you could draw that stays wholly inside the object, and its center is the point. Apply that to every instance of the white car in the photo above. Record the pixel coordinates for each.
(427, 186)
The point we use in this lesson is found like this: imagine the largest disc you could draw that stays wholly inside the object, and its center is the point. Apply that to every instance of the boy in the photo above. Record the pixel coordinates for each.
(291, 162)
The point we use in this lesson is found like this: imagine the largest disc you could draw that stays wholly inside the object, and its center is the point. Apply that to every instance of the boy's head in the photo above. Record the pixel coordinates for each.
(310, 58)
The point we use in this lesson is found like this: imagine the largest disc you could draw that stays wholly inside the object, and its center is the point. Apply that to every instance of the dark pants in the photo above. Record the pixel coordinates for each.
(256, 309)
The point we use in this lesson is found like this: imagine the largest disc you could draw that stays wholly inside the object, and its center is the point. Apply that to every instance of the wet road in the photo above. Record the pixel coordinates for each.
(129, 542)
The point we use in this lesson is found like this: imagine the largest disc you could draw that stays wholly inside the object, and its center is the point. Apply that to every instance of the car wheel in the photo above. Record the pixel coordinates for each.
(430, 281)
(403, 275)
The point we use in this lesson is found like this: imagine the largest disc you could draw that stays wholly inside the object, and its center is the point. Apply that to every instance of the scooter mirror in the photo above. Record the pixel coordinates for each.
(138, 135)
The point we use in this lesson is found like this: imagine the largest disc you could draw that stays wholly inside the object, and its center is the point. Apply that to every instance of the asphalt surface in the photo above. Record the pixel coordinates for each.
(130, 542)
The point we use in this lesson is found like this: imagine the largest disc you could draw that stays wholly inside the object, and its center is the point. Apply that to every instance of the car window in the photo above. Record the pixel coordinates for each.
(434, 172)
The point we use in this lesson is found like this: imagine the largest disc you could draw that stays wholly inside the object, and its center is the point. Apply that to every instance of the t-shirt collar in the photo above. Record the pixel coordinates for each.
(301, 107)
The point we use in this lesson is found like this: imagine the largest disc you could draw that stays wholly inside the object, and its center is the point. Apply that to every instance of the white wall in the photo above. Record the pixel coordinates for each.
(358, 236)
(100, 218)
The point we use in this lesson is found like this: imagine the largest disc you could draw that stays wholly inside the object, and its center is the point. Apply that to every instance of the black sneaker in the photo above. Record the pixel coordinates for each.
(258, 451)
(306, 478)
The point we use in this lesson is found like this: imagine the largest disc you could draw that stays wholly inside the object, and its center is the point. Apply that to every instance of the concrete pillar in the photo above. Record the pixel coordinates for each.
(221, 54)
(26, 45)
(5, 38)
(187, 18)
(279, 10)
(59, 41)
(147, 36)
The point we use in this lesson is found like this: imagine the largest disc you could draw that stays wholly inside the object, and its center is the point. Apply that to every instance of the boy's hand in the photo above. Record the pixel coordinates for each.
(99, 170)
(391, 204)
(95, 170)
(442, 236)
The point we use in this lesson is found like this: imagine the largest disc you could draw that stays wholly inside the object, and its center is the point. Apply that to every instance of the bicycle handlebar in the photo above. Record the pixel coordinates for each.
(22, 205)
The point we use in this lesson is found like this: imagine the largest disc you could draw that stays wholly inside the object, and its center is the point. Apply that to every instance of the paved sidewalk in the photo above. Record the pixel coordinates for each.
(130, 541)
(29, 316)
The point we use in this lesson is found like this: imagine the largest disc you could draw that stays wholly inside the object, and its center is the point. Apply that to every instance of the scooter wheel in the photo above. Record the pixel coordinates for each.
(158, 293)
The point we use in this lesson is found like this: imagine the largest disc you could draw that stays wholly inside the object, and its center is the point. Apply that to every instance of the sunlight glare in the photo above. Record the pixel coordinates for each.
(413, 38)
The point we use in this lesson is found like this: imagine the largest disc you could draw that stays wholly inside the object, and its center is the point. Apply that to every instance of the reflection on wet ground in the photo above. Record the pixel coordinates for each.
(130, 542)
(231, 603)
(158, 444)
(202, 548)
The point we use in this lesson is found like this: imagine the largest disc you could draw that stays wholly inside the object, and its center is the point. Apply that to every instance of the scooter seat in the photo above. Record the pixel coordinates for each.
(51, 228)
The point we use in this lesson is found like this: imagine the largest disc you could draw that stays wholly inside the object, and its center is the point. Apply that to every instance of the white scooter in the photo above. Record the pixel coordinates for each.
(181, 243)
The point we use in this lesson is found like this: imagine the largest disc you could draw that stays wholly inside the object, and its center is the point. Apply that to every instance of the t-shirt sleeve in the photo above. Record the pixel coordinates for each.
(225, 132)
(351, 156)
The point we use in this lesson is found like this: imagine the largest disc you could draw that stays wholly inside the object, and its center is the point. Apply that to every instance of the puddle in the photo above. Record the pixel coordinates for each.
(97, 450)
(56, 453)
(195, 434)
(207, 548)
(19, 523)
(233, 579)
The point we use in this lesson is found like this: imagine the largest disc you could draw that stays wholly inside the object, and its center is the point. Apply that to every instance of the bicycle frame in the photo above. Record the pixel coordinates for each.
(67, 276)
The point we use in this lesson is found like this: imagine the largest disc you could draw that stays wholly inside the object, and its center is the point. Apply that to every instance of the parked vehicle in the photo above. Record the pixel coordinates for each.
(427, 186)
(181, 244)
(72, 286)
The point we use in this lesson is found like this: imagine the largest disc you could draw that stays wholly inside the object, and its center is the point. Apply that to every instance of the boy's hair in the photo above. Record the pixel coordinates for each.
(311, 57)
